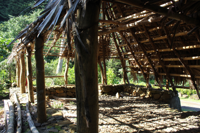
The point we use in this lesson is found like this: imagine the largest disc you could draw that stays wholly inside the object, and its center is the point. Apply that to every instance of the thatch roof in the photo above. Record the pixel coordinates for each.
(159, 37)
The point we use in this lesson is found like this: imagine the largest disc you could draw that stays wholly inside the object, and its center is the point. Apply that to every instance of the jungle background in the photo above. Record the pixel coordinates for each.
(16, 15)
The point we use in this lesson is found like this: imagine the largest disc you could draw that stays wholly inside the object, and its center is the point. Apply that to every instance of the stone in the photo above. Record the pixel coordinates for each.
(53, 130)
(106, 88)
(156, 96)
(59, 91)
(175, 103)
(51, 119)
(57, 114)
(62, 131)
(44, 124)
(117, 95)
(64, 123)
(184, 96)
(37, 124)
(72, 128)
(142, 95)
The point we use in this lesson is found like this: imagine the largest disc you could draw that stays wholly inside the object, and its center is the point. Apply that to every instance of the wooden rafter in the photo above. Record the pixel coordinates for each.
(133, 54)
(144, 51)
(159, 57)
(182, 61)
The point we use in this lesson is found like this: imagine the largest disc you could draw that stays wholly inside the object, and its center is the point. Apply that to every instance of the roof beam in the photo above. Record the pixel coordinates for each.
(160, 10)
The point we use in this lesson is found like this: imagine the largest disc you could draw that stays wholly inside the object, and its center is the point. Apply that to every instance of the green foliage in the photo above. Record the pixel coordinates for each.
(11, 28)
(7, 72)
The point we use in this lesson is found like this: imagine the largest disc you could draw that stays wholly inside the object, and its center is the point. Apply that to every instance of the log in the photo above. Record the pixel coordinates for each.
(29, 119)
(64, 99)
(22, 73)
(29, 75)
(40, 80)
(6, 114)
(11, 118)
(19, 118)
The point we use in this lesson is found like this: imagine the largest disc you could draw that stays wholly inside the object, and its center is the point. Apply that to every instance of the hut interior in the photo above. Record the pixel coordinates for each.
(149, 37)
(158, 37)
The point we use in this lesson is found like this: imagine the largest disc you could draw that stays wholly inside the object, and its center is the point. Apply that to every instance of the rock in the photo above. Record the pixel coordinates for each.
(59, 91)
(14, 84)
(142, 95)
(53, 130)
(62, 131)
(64, 123)
(106, 88)
(175, 103)
(57, 114)
(51, 119)
(165, 97)
(117, 95)
(194, 96)
(156, 96)
(44, 124)
(72, 128)
(184, 96)
(59, 117)
(37, 124)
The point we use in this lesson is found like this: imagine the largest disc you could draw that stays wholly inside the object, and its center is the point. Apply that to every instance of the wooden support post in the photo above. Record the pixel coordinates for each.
(18, 71)
(86, 69)
(167, 84)
(40, 80)
(101, 68)
(104, 65)
(22, 73)
(66, 71)
(147, 78)
(29, 74)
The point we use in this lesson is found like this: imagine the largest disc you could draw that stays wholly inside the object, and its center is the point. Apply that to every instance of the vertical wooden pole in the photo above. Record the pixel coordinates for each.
(40, 80)
(22, 73)
(104, 65)
(66, 71)
(86, 69)
(167, 84)
(147, 78)
(17, 72)
(29, 74)
(101, 68)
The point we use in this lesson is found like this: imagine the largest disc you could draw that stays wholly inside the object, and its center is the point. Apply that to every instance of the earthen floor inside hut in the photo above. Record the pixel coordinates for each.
(116, 115)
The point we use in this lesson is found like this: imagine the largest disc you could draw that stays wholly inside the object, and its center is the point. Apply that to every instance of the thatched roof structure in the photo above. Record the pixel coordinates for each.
(159, 37)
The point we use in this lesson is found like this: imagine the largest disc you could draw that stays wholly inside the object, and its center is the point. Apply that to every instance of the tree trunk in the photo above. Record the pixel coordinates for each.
(22, 73)
(40, 80)
(17, 72)
(29, 75)
(86, 69)
(66, 71)
(104, 66)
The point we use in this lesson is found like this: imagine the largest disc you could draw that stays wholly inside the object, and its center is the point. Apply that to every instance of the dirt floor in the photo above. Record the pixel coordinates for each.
(116, 115)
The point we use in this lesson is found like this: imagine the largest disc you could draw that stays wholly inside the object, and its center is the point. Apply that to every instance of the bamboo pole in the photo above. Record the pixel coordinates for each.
(22, 73)
(29, 74)
(40, 80)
